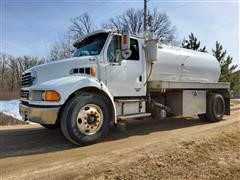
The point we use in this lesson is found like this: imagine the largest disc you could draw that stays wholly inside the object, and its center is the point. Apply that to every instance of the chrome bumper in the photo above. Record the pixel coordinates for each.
(41, 115)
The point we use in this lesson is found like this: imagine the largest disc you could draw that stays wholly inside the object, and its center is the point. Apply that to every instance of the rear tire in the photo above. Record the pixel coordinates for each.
(215, 108)
(85, 119)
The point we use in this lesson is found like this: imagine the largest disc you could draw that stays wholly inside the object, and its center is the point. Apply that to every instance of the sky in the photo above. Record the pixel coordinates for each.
(31, 27)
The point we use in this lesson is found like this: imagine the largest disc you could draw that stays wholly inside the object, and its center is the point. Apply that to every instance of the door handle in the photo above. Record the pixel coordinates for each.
(140, 78)
(115, 64)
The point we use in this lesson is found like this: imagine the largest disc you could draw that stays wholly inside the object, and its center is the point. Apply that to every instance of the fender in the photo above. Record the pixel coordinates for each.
(66, 86)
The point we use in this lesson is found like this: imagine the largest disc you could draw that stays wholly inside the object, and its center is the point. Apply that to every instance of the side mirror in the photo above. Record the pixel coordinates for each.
(125, 45)
(125, 41)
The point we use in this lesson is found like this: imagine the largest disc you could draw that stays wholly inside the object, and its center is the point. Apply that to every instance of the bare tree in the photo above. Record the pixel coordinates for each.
(3, 60)
(162, 26)
(80, 26)
(13, 73)
(12, 68)
(132, 19)
(62, 49)
(26, 62)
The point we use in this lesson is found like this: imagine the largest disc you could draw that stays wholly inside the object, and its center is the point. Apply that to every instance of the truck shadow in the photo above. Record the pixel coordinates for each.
(143, 127)
(20, 142)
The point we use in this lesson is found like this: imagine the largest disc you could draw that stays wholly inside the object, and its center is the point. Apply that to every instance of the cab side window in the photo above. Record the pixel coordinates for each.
(112, 49)
(115, 45)
(135, 50)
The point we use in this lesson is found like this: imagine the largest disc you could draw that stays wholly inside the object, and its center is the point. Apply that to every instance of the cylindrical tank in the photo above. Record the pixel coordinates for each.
(183, 65)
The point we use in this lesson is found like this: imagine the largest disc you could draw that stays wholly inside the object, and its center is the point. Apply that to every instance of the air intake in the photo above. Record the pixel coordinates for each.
(27, 80)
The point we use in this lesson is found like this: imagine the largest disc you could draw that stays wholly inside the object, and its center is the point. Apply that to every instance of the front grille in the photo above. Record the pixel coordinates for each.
(27, 80)
(24, 94)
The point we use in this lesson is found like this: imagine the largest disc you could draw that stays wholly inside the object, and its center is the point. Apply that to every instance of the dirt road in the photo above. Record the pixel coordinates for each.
(174, 148)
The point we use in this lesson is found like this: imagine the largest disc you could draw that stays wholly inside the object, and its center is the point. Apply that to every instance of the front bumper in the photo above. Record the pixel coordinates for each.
(39, 114)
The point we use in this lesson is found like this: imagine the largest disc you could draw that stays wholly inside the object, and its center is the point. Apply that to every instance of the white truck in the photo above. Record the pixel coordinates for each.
(113, 77)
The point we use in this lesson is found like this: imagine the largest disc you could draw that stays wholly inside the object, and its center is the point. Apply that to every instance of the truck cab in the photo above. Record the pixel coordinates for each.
(111, 78)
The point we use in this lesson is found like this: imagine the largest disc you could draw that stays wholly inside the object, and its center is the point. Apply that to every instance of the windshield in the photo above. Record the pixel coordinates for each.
(91, 45)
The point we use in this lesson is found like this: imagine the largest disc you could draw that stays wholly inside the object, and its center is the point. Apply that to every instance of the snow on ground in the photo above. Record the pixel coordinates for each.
(10, 108)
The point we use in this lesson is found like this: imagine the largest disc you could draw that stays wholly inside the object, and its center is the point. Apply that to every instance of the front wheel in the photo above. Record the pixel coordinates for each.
(85, 119)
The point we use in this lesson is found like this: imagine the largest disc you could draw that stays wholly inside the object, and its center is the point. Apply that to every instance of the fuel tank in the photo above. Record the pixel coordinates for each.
(183, 65)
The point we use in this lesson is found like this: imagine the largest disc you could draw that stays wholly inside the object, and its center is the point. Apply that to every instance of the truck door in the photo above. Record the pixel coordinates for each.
(125, 78)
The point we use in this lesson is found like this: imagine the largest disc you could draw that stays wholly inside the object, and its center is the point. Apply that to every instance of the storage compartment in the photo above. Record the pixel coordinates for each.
(187, 102)
(126, 107)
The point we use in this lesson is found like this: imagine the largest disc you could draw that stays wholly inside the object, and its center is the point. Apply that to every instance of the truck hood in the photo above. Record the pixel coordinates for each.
(61, 68)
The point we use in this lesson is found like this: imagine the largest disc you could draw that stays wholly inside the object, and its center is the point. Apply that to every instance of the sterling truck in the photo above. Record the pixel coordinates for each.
(113, 77)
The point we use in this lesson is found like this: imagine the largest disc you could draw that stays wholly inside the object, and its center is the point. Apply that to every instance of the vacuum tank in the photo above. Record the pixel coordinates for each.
(181, 65)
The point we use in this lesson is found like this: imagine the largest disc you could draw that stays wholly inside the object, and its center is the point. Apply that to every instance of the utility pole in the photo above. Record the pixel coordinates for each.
(145, 15)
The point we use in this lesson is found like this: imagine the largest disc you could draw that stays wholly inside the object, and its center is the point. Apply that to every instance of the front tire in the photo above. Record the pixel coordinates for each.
(85, 119)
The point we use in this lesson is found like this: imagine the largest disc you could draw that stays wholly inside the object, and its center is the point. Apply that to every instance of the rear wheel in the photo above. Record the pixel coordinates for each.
(85, 119)
(215, 108)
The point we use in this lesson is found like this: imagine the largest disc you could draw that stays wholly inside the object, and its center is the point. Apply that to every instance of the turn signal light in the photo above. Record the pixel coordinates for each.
(92, 71)
(51, 95)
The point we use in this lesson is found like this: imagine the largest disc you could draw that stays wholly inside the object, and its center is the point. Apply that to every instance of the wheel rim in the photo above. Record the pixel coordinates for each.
(90, 119)
(218, 107)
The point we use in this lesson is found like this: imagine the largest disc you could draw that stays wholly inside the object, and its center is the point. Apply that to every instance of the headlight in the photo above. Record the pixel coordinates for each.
(44, 95)
(36, 95)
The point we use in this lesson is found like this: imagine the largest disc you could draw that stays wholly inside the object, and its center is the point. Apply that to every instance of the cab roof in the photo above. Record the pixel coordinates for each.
(90, 34)
(97, 32)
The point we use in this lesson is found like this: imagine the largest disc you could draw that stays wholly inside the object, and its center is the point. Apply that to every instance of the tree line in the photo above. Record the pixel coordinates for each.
(11, 67)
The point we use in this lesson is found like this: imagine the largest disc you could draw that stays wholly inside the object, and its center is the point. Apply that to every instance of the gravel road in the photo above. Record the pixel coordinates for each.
(174, 148)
